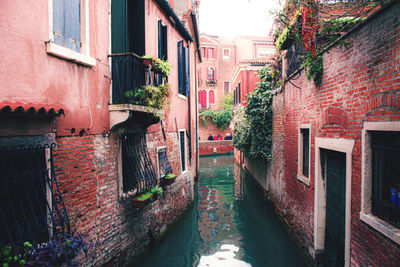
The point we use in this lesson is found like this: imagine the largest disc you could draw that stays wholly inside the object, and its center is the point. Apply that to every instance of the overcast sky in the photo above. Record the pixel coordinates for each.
(236, 17)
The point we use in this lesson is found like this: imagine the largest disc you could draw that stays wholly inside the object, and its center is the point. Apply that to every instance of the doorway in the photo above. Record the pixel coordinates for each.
(333, 169)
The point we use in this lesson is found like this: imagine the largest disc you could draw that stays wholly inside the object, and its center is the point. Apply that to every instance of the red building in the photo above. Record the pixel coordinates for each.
(334, 172)
(74, 149)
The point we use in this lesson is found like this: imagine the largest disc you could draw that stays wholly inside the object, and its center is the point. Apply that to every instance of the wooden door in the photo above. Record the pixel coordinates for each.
(333, 166)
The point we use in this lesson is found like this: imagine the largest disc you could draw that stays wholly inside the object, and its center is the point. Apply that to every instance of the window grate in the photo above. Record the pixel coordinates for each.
(31, 205)
(386, 176)
(138, 171)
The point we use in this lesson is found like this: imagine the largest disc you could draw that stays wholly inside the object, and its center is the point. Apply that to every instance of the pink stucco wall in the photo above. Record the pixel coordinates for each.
(30, 75)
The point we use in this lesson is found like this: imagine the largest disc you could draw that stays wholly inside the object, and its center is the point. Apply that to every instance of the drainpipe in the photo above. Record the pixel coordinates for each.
(197, 115)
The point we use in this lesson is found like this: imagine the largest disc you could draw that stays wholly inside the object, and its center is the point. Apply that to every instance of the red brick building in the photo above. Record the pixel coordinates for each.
(78, 150)
(334, 172)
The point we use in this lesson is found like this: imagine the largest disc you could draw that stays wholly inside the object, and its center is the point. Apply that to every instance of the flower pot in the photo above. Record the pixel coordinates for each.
(168, 181)
(140, 203)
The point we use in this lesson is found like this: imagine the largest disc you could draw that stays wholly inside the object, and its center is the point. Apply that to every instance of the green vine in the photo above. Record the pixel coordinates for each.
(253, 123)
(221, 117)
(314, 68)
(286, 33)
(150, 96)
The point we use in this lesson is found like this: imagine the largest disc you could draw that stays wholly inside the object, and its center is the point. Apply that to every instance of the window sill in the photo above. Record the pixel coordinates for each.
(68, 54)
(381, 226)
(182, 96)
(303, 179)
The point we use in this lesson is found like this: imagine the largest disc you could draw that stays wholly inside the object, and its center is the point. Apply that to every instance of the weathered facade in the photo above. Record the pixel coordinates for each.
(336, 149)
(63, 99)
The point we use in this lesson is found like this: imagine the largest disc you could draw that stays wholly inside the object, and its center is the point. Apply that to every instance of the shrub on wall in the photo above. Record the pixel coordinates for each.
(221, 117)
(253, 124)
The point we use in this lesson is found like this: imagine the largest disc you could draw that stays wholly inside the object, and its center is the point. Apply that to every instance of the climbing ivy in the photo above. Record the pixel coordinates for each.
(314, 67)
(253, 124)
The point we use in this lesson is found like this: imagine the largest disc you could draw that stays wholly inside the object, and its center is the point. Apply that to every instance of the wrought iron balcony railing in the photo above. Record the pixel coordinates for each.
(212, 82)
(128, 74)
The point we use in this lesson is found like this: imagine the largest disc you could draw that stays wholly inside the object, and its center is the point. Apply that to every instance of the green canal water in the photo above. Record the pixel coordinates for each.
(229, 225)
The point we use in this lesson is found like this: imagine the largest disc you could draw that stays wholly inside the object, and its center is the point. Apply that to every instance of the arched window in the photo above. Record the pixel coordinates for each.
(211, 97)
(203, 99)
(211, 74)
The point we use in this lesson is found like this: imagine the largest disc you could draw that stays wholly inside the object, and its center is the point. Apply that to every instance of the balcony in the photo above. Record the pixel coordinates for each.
(135, 84)
(211, 82)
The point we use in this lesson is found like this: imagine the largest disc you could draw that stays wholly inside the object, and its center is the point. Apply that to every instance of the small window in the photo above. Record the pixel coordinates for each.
(164, 167)
(208, 52)
(386, 176)
(182, 146)
(226, 87)
(227, 53)
(304, 154)
(211, 72)
(211, 97)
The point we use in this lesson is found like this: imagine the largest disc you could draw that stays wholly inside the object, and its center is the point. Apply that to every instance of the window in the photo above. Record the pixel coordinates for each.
(164, 167)
(264, 52)
(304, 154)
(183, 69)
(386, 176)
(211, 97)
(203, 99)
(27, 181)
(294, 57)
(69, 31)
(226, 87)
(211, 72)
(227, 53)
(208, 52)
(182, 146)
(162, 41)
(239, 94)
(137, 172)
(380, 195)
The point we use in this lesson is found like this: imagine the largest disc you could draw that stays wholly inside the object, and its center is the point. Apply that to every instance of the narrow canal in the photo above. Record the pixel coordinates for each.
(229, 225)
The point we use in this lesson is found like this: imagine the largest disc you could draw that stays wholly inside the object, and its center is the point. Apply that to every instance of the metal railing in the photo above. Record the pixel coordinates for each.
(31, 205)
(212, 82)
(128, 74)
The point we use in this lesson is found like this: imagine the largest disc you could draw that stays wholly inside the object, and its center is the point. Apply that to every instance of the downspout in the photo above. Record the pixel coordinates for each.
(248, 82)
(197, 116)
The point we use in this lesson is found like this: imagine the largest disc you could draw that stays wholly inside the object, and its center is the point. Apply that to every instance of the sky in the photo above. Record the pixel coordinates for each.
(236, 17)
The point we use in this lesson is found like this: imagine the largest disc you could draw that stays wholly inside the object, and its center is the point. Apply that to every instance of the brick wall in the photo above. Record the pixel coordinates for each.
(211, 128)
(86, 168)
(215, 147)
(360, 83)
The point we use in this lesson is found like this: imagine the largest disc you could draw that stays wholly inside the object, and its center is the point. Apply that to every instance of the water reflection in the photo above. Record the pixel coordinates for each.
(229, 225)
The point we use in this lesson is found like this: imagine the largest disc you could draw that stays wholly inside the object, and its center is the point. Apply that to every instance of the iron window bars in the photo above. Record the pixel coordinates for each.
(137, 169)
(31, 204)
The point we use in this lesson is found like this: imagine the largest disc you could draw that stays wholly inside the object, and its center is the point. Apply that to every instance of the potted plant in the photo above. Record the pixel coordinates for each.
(162, 67)
(142, 200)
(156, 191)
(169, 179)
(147, 61)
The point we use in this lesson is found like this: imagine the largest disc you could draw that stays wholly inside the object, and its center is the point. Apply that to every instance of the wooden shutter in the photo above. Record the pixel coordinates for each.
(58, 22)
(211, 97)
(164, 43)
(180, 68)
(73, 24)
(160, 49)
(187, 71)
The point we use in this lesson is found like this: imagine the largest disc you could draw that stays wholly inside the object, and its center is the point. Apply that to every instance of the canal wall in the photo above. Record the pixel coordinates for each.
(215, 147)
